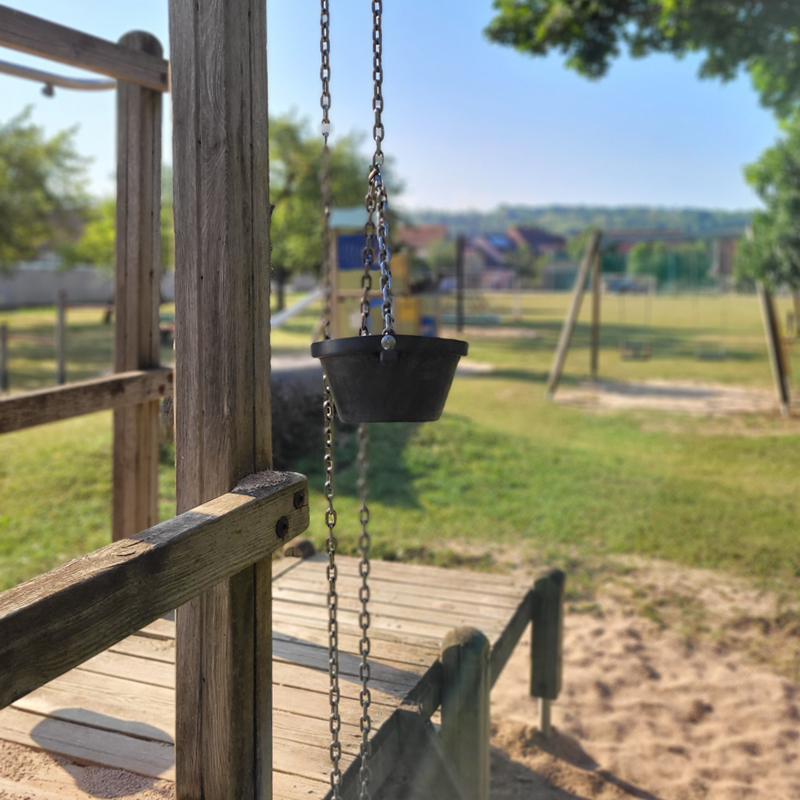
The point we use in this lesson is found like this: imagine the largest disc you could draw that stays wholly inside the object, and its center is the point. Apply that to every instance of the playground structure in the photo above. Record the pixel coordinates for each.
(777, 343)
(415, 314)
(85, 654)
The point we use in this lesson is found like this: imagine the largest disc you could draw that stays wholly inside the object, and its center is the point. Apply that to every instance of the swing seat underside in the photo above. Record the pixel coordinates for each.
(118, 709)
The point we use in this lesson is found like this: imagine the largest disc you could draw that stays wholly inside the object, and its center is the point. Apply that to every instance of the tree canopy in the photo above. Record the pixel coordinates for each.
(773, 253)
(97, 243)
(42, 184)
(761, 36)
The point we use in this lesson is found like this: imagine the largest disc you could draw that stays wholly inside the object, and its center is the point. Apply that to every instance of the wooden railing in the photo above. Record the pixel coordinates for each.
(29, 409)
(142, 76)
(58, 620)
(37, 36)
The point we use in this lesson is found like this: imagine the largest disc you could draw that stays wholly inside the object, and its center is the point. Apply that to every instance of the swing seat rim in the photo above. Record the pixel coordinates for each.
(405, 343)
(408, 383)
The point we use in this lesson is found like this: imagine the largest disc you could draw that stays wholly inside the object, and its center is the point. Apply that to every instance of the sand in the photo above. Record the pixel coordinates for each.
(678, 684)
(647, 714)
(688, 397)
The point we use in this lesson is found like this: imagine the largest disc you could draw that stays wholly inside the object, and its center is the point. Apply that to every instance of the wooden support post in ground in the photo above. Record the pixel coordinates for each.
(777, 356)
(3, 358)
(572, 315)
(595, 357)
(460, 241)
(61, 338)
(222, 398)
(466, 684)
(137, 293)
(547, 642)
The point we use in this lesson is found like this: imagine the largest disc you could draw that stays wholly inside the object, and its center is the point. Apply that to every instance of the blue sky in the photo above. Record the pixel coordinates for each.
(469, 124)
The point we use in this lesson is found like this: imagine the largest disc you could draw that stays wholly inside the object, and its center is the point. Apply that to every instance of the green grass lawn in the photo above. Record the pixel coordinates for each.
(502, 469)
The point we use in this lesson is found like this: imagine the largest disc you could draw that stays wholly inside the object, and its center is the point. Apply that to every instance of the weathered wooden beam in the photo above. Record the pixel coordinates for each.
(222, 405)
(547, 642)
(76, 399)
(137, 293)
(21, 31)
(560, 357)
(512, 633)
(466, 685)
(59, 620)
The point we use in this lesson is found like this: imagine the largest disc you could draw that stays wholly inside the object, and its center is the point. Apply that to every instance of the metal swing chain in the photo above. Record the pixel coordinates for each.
(377, 200)
(335, 721)
(363, 618)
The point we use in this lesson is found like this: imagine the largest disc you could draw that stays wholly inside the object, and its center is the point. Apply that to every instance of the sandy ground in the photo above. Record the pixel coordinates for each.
(675, 709)
(688, 397)
(678, 684)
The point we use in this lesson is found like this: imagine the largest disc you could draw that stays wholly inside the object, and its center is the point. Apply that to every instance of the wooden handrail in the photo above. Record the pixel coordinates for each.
(29, 34)
(85, 397)
(56, 621)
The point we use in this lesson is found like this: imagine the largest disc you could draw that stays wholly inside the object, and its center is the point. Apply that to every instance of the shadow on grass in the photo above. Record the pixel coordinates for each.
(390, 480)
(666, 343)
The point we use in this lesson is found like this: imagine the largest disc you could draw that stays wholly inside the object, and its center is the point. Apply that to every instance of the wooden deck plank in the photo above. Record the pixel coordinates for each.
(395, 604)
(405, 622)
(117, 704)
(309, 646)
(502, 585)
(87, 745)
(308, 664)
(95, 713)
(84, 744)
(101, 701)
(390, 589)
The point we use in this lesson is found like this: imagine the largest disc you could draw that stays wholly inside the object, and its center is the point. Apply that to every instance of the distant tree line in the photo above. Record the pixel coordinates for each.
(571, 220)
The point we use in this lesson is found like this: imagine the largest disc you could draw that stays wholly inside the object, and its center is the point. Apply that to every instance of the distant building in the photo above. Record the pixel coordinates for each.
(420, 237)
(491, 249)
(539, 241)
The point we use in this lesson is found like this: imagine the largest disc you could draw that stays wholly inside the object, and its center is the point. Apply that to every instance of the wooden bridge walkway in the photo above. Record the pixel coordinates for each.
(118, 709)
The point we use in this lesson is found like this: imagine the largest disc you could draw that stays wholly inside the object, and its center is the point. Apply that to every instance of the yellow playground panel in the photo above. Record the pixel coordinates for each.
(415, 314)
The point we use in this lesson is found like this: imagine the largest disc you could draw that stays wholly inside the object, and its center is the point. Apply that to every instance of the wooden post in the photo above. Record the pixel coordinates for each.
(3, 358)
(460, 240)
(137, 293)
(777, 356)
(596, 286)
(465, 730)
(572, 316)
(61, 338)
(222, 399)
(547, 642)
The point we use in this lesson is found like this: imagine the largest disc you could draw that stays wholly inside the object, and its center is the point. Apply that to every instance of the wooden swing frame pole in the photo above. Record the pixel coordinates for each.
(222, 396)
(777, 356)
(137, 292)
(592, 248)
(594, 363)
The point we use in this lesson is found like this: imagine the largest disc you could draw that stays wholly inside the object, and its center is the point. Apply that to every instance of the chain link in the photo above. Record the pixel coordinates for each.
(363, 617)
(376, 233)
(377, 79)
(335, 720)
(335, 723)
(325, 165)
